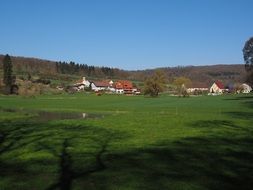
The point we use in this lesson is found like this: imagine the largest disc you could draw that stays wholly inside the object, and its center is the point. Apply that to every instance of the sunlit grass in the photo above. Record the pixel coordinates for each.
(139, 143)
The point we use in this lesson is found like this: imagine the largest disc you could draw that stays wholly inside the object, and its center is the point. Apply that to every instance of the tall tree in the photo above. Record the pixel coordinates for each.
(155, 84)
(182, 83)
(248, 59)
(8, 78)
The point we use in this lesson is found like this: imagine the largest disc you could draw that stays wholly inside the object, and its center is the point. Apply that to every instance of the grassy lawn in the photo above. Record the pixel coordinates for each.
(137, 143)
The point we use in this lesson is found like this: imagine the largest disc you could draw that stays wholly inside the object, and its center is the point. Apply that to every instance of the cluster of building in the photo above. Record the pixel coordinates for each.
(127, 87)
(219, 88)
(118, 87)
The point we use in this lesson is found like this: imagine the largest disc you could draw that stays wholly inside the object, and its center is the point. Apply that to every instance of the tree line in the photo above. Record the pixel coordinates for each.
(34, 66)
(49, 69)
(154, 82)
(84, 69)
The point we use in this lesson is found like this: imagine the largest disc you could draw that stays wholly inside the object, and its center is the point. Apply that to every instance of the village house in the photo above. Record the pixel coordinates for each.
(99, 85)
(124, 87)
(198, 88)
(217, 88)
(111, 87)
(106, 85)
(81, 84)
(119, 87)
(246, 88)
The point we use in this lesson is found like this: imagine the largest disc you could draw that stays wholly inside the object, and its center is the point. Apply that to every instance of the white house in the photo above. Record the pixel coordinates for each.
(111, 87)
(197, 89)
(246, 88)
(111, 83)
(119, 91)
(217, 88)
(86, 82)
(100, 85)
(82, 84)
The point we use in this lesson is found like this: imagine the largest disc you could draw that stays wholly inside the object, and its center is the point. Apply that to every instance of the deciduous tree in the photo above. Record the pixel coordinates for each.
(155, 84)
(181, 84)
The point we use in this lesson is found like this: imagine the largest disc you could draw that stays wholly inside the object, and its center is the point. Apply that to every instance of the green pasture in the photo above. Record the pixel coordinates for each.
(137, 143)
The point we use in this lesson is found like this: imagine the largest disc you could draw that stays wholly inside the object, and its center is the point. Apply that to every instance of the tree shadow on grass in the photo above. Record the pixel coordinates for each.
(81, 159)
(205, 162)
(209, 124)
(67, 174)
(247, 101)
(14, 136)
(248, 97)
(248, 104)
(56, 153)
(241, 115)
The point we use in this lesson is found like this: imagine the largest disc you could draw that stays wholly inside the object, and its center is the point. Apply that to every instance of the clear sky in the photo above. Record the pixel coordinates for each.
(127, 34)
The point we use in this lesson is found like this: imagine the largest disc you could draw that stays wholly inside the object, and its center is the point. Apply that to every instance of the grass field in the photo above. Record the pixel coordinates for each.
(137, 143)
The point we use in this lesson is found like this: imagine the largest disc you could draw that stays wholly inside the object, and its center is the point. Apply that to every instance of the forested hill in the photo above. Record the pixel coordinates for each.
(44, 67)
(200, 75)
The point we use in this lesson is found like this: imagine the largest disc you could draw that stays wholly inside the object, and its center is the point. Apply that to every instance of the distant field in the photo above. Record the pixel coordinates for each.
(135, 143)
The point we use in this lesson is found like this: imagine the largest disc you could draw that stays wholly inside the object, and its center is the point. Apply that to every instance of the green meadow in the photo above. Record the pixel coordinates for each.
(196, 143)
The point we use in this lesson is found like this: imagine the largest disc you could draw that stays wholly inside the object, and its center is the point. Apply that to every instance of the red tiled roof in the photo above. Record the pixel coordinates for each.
(124, 84)
(220, 84)
(118, 85)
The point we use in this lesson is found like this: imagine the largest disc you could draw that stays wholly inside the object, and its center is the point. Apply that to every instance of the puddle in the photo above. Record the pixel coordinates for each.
(49, 116)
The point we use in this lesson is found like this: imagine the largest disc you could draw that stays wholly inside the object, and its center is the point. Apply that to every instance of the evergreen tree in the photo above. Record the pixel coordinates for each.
(248, 59)
(8, 78)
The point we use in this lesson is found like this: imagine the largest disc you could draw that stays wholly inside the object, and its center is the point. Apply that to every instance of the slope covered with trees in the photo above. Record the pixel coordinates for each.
(199, 75)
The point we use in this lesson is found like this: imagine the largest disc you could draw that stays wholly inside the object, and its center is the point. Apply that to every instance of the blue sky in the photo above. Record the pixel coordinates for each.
(127, 34)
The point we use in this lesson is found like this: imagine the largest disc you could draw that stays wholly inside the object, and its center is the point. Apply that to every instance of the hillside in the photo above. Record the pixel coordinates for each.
(200, 75)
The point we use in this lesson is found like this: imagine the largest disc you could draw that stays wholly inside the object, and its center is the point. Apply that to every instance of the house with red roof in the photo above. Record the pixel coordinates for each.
(119, 87)
(217, 88)
(105, 85)
(124, 87)
(99, 85)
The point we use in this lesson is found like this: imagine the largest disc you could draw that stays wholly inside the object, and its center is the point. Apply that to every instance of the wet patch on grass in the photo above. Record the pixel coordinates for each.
(50, 116)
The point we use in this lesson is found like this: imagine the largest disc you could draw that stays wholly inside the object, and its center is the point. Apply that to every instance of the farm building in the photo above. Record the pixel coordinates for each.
(82, 84)
(197, 88)
(217, 88)
(246, 88)
(99, 85)
(106, 85)
(124, 86)
(119, 87)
